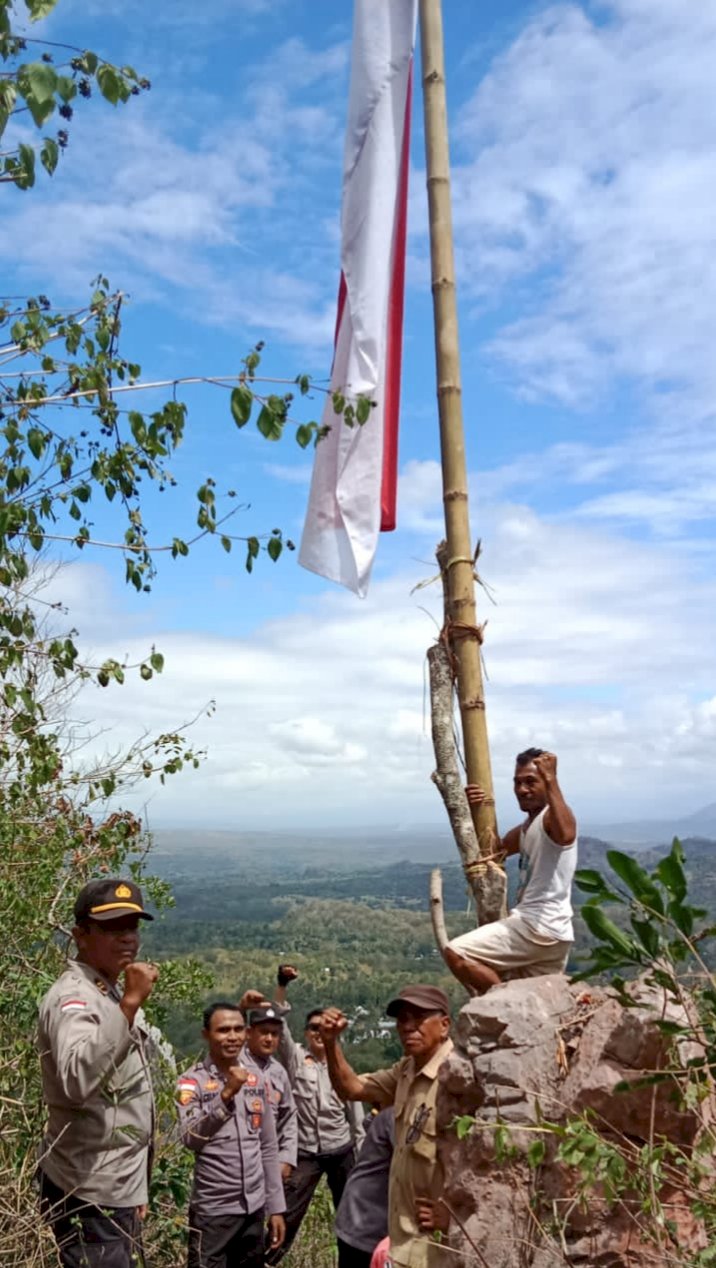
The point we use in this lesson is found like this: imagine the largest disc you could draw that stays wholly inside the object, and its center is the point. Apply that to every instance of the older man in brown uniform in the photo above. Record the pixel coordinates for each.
(423, 1024)
(94, 1162)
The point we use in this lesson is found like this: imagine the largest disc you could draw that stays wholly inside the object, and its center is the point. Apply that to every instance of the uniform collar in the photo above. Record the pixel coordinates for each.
(98, 980)
(207, 1064)
(248, 1058)
(430, 1069)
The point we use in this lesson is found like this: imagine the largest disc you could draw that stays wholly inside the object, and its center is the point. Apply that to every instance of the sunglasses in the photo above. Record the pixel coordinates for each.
(415, 1130)
(314, 1028)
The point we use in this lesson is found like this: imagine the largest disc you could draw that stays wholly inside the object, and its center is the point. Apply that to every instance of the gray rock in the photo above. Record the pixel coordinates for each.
(544, 1049)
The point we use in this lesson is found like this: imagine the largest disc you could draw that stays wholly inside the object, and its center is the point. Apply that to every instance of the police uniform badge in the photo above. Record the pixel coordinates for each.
(123, 891)
(211, 1085)
(252, 1080)
(186, 1090)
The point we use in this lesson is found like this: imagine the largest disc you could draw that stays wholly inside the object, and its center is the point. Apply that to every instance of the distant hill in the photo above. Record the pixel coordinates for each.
(189, 852)
(641, 833)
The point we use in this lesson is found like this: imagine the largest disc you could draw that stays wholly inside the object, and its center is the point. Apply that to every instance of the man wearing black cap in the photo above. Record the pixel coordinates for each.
(263, 1035)
(423, 1023)
(94, 1162)
(328, 1130)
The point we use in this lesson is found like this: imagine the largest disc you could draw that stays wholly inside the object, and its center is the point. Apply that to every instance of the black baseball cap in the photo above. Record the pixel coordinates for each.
(108, 899)
(263, 1012)
(430, 998)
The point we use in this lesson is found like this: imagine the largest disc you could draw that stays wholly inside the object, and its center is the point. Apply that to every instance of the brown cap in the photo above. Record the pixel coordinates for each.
(108, 899)
(431, 998)
(263, 1012)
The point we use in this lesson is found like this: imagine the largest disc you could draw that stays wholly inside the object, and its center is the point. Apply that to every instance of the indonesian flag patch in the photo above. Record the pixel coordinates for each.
(186, 1090)
(73, 1005)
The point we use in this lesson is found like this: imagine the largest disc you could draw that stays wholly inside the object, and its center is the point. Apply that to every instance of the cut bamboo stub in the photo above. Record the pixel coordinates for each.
(458, 573)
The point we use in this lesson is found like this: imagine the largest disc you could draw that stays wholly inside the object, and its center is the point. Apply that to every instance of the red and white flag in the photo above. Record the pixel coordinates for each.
(353, 490)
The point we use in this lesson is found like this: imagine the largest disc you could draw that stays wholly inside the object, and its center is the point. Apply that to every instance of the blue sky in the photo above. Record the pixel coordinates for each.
(584, 177)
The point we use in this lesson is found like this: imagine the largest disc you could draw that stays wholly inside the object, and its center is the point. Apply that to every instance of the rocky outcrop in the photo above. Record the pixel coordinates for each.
(538, 1050)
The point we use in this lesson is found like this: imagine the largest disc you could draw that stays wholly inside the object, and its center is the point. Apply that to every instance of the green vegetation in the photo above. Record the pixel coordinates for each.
(645, 932)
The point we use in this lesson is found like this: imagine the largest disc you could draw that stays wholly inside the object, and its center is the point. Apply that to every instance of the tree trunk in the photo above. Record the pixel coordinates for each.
(485, 877)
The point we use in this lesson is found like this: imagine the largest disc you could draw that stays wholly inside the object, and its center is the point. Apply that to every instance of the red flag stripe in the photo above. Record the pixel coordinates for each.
(394, 352)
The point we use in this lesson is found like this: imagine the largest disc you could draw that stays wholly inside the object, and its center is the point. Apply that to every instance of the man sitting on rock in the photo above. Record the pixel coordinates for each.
(537, 936)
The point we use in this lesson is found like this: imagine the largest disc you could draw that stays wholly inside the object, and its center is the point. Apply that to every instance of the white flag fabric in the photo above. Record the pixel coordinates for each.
(355, 469)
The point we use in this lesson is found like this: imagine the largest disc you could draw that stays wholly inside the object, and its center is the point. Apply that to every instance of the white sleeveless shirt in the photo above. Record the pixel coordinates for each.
(546, 872)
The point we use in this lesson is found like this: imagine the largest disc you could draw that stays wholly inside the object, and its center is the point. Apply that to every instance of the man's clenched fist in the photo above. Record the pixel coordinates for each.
(235, 1080)
(139, 979)
(286, 973)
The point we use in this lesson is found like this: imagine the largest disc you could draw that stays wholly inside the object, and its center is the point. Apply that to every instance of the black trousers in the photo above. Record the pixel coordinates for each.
(226, 1241)
(87, 1236)
(352, 1257)
(300, 1188)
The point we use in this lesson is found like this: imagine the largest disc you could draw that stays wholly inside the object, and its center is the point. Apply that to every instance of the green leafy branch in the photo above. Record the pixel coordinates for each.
(665, 928)
(48, 87)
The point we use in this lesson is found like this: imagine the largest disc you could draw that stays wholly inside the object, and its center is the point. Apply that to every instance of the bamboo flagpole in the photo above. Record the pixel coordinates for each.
(461, 632)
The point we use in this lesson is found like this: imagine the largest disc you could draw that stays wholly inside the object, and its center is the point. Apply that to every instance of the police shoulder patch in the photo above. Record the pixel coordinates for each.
(187, 1089)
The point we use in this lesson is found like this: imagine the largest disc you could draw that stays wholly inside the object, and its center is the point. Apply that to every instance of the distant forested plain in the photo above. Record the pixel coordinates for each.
(350, 912)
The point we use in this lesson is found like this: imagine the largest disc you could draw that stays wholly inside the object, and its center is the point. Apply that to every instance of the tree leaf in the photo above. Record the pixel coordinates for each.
(49, 154)
(603, 928)
(269, 424)
(274, 548)
(39, 8)
(241, 405)
(592, 882)
(671, 872)
(109, 83)
(637, 880)
(42, 80)
(363, 408)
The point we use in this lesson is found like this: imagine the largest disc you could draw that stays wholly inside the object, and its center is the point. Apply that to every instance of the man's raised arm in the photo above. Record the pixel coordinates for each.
(559, 821)
(348, 1084)
(377, 1088)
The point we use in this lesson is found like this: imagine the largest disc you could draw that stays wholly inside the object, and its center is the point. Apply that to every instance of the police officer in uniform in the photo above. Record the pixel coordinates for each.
(329, 1131)
(92, 1039)
(227, 1121)
(263, 1036)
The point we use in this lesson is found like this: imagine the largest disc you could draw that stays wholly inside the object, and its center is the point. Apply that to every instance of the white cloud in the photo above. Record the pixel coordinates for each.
(599, 646)
(198, 208)
(589, 171)
(315, 741)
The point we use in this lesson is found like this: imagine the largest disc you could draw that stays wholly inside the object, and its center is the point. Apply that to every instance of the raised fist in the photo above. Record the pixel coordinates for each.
(286, 973)
(139, 979)
(332, 1022)
(546, 764)
(251, 999)
(235, 1080)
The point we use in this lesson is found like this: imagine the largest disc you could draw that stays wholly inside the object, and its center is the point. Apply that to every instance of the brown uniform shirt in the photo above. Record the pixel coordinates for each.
(414, 1171)
(97, 1087)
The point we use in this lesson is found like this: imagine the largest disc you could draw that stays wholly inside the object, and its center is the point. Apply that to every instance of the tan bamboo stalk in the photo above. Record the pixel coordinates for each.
(462, 631)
